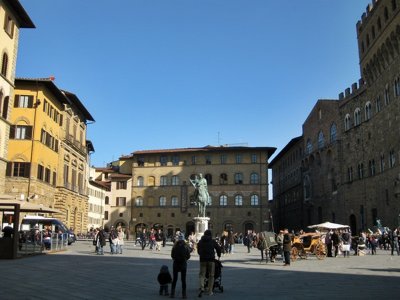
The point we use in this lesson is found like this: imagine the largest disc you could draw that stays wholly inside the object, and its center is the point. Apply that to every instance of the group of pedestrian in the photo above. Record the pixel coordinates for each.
(115, 236)
(155, 239)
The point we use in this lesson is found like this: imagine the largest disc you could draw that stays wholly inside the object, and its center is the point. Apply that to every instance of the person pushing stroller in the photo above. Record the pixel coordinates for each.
(206, 248)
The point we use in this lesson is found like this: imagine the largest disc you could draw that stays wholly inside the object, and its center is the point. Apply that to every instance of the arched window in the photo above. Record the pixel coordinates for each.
(163, 180)
(223, 178)
(163, 201)
(175, 180)
(140, 181)
(254, 200)
(394, 5)
(309, 147)
(397, 86)
(106, 200)
(223, 200)
(139, 201)
(238, 178)
(357, 117)
(333, 131)
(254, 178)
(4, 65)
(386, 14)
(174, 201)
(347, 122)
(151, 181)
(368, 110)
(238, 200)
(321, 140)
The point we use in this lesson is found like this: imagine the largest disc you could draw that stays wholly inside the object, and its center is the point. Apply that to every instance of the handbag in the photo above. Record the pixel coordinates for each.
(94, 243)
(345, 247)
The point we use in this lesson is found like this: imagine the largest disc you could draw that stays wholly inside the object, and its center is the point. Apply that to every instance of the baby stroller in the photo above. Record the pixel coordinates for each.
(217, 277)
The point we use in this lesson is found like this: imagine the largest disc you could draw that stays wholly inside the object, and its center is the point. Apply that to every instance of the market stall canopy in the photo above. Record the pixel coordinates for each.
(329, 225)
(26, 206)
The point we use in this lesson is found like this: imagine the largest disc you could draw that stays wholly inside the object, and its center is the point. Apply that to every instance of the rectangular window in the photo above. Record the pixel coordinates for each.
(193, 160)
(254, 158)
(223, 159)
(73, 180)
(40, 173)
(20, 132)
(47, 174)
(23, 101)
(54, 178)
(175, 160)
(121, 185)
(18, 169)
(106, 215)
(208, 160)
(121, 201)
(9, 26)
(66, 175)
(163, 160)
(238, 158)
(81, 184)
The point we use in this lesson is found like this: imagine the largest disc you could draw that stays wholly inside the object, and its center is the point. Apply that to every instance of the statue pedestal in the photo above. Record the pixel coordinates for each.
(201, 225)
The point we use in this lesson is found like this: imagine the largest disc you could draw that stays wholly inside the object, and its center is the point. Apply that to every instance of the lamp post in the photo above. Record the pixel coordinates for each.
(35, 106)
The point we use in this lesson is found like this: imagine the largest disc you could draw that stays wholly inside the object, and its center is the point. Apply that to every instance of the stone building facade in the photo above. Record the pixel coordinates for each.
(48, 153)
(354, 177)
(288, 205)
(12, 18)
(161, 192)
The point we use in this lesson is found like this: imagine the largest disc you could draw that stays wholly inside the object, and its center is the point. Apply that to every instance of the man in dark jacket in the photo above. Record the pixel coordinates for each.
(206, 249)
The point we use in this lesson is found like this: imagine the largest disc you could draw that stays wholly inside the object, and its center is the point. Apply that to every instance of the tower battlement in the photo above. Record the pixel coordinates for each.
(353, 90)
(368, 10)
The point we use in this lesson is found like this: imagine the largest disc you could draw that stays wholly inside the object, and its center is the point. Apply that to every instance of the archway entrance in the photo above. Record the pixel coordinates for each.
(190, 227)
(248, 226)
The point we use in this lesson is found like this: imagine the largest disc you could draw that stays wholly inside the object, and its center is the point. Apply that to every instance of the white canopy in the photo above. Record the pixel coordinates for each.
(329, 225)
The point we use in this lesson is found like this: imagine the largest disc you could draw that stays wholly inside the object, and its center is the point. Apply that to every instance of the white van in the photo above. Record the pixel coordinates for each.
(37, 222)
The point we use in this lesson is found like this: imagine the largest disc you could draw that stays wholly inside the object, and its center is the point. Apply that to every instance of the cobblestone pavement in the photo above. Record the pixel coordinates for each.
(80, 274)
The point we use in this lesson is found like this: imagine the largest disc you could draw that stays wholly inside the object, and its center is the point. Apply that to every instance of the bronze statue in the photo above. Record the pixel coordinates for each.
(201, 196)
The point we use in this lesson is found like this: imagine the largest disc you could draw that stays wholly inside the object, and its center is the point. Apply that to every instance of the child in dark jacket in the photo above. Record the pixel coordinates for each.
(164, 278)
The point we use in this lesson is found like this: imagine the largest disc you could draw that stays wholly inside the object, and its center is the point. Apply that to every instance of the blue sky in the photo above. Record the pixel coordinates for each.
(160, 74)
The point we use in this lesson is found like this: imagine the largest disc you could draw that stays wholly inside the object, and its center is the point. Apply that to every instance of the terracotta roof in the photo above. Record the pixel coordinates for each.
(105, 184)
(270, 150)
(104, 169)
(24, 21)
(119, 175)
(101, 184)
